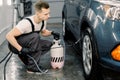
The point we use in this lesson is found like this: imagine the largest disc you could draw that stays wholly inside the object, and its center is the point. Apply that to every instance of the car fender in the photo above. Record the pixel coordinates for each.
(94, 23)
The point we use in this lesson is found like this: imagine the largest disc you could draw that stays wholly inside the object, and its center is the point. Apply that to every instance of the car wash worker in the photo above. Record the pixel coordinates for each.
(24, 38)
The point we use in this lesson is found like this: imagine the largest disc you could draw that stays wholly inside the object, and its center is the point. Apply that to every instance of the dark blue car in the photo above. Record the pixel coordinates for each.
(96, 25)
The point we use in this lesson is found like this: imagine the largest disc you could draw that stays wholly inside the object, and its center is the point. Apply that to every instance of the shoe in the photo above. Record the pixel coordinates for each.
(37, 71)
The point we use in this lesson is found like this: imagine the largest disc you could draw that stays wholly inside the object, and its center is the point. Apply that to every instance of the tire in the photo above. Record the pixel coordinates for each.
(90, 64)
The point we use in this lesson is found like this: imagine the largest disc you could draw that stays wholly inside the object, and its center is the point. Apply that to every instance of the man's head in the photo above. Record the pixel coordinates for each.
(42, 10)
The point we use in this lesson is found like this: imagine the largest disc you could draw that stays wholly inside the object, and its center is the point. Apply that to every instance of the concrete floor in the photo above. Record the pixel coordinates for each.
(72, 69)
(16, 70)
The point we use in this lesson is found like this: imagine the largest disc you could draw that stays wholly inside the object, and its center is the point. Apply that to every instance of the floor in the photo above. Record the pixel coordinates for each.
(16, 70)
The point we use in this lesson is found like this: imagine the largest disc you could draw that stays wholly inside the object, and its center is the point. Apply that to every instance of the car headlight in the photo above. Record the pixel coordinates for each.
(116, 53)
(112, 12)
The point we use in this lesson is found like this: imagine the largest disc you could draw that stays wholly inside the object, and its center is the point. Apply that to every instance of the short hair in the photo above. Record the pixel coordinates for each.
(41, 4)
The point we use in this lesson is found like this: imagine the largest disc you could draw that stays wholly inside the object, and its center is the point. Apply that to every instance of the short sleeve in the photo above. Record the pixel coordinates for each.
(24, 26)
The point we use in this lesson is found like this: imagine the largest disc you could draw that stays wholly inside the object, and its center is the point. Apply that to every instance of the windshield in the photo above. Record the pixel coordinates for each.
(110, 2)
(111, 8)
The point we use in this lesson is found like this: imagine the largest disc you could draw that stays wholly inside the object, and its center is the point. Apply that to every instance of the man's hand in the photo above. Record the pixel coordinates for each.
(27, 51)
(56, 35)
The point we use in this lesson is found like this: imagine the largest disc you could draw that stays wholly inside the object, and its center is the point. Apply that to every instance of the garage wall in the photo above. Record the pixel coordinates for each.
(6, 18)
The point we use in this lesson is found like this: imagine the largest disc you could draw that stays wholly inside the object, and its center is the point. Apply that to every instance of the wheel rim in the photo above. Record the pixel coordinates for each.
(87, 54)
(63, 27)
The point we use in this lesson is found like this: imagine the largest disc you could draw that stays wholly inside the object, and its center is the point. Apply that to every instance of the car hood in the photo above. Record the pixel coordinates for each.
(110, 2)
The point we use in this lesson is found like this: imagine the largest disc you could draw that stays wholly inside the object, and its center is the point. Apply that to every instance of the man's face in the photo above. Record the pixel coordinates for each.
(43, 14)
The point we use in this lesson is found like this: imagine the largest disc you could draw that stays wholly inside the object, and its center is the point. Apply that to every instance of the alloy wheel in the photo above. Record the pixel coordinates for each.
(87, 54)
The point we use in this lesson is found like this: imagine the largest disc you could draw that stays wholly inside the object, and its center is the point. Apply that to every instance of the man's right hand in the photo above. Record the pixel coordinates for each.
(27, 51)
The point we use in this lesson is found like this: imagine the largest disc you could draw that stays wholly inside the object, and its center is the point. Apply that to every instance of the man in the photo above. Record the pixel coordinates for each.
(24, 38)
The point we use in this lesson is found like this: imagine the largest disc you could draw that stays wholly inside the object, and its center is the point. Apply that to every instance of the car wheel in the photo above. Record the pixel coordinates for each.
(90, 65)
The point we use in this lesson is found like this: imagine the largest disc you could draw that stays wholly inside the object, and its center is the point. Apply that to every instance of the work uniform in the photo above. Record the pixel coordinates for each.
(30, 38)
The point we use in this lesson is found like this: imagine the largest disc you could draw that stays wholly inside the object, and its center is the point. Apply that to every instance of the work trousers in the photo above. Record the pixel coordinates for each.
(33, 41)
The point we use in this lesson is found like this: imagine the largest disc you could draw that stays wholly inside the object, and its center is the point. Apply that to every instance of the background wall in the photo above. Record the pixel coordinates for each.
(6, 18)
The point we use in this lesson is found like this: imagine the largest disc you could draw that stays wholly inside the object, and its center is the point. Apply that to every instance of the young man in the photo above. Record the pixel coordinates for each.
(24, 38)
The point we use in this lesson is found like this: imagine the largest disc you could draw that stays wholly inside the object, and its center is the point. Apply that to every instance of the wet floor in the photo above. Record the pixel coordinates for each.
(72, 70)
(16, 70)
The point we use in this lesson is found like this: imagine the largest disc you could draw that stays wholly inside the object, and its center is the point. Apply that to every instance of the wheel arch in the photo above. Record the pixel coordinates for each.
(86, 25)
(95, 70)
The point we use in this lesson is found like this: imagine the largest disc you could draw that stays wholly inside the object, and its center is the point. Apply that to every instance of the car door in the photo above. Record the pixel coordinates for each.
(75, 12)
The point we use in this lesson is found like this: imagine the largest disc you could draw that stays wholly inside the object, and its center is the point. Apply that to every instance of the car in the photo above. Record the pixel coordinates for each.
(95, 26)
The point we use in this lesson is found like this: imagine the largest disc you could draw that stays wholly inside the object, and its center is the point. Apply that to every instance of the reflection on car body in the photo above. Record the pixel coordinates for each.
(97, 24)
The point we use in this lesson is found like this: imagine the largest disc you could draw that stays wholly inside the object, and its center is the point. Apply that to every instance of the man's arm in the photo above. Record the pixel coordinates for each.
(11, 38)
(46, 32)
